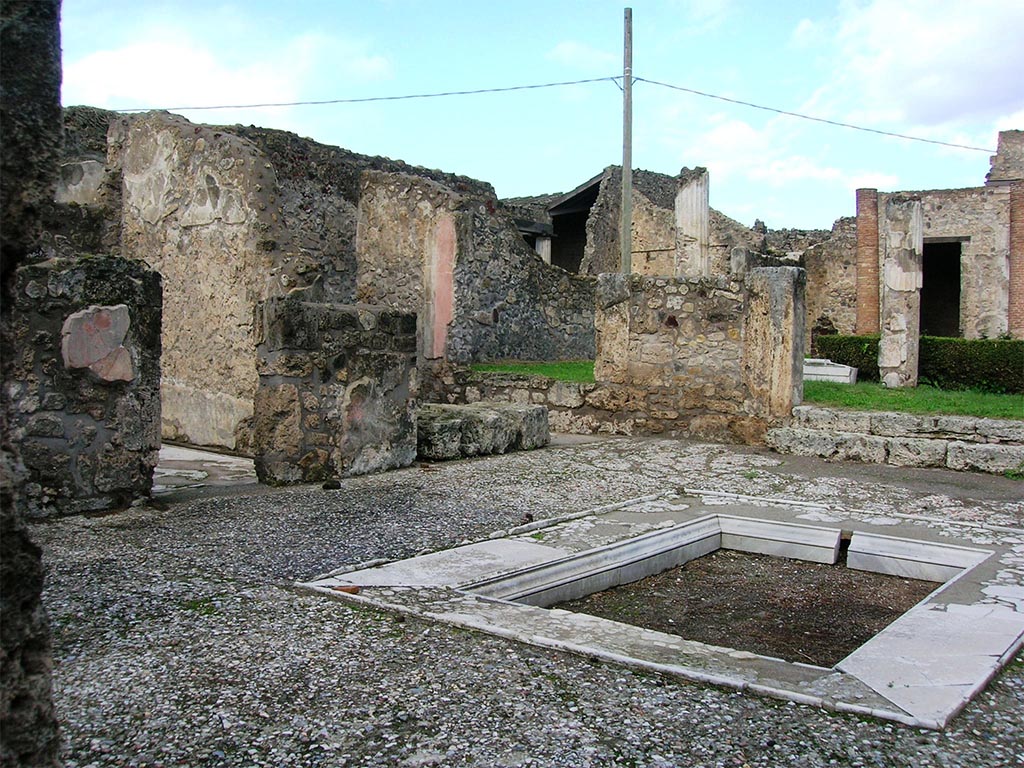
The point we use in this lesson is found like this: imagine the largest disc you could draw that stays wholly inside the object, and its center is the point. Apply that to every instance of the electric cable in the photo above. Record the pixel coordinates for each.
(815, 119)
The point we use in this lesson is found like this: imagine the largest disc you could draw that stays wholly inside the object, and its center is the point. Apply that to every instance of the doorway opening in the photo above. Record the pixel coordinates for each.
(940, 290)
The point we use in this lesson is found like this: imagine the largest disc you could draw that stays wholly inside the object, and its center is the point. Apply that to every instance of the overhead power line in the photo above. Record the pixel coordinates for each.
(812, 118)
(614, 79)
(374, 98)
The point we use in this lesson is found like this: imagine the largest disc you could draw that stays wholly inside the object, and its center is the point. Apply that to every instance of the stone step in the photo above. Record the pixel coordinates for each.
(874, 438)
(455, 431)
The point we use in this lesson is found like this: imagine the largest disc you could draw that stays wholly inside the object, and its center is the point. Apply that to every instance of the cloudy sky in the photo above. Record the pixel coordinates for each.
(947, 70)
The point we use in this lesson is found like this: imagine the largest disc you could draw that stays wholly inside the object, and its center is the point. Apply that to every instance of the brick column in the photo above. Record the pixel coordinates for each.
(1015, 311)
(867, 261)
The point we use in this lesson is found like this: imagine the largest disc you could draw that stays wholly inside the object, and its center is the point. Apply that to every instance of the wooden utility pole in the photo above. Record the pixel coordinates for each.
(626, 226)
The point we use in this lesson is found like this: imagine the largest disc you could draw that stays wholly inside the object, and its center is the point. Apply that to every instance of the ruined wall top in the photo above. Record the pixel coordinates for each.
(1008, 162)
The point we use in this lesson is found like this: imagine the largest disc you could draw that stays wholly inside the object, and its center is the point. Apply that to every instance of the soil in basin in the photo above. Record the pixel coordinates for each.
(773, 606)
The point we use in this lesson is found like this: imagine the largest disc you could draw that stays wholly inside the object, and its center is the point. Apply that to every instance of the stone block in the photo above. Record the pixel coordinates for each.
(802, 442)
(911, 558)
(865, 448)
(451, 431)
(917, 452)
(1000, 430)
(347, 406)
(962, 427)
(984, 457)
(896, 424)
(94, 395)
(564, 394)
(799, 542)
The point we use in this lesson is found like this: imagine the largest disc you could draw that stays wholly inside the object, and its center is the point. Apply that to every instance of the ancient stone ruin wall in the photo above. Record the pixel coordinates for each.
(201, 207)
(980, 217)
(712, 357)
(832, 282)
(509, 304)
(655, 241)
(459, 262)
(233, 216)
(29, 151)
(336, 390)
(85, 382)
(1007, 165)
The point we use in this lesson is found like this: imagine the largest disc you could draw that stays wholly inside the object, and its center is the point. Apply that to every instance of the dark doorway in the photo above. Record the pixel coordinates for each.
(940, 291)
(569, 222)
(570, 240)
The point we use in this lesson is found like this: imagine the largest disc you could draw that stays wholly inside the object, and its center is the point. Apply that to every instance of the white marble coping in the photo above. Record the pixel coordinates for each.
(920, 671)
(910, 558)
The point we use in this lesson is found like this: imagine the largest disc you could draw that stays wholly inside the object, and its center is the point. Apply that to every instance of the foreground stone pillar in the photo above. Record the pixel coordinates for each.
(85, 382)
(30, 124)
(867, 262)
(336, 391)
(692, 216)
(773, 348)
(903, 243)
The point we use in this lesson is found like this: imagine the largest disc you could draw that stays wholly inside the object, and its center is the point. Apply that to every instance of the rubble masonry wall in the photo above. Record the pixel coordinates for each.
(337, 388)
(84, 382)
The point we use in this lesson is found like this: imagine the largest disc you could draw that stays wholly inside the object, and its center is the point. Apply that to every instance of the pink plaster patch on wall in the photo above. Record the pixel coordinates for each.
(439, 312)
(93, 338)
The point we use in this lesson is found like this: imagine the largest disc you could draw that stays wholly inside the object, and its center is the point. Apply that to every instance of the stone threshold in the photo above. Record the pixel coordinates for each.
(920, 671)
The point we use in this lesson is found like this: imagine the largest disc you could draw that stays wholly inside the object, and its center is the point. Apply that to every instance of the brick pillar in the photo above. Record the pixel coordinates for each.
(1015, 312)
(867, 261)
(902, 239)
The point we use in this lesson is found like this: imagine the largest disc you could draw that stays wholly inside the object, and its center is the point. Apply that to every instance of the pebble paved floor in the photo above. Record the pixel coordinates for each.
(180, 640)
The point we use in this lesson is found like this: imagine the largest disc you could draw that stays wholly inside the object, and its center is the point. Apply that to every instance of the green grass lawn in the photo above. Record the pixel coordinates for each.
(871, 396)
(568, 370)
(865, 396)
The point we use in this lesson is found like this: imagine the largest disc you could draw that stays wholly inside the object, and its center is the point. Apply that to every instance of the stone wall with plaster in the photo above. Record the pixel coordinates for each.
(337, 388)
(457, 260)
(718, 359)
(233, 216)
(84, 382)
(980, 218)
(201, 206)
(900, 240)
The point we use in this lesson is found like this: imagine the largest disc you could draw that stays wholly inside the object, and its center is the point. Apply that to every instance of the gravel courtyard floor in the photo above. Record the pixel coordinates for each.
(179, 639)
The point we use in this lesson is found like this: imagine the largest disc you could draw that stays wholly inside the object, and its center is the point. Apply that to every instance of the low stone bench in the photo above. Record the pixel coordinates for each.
(455, 431)
(902, 440)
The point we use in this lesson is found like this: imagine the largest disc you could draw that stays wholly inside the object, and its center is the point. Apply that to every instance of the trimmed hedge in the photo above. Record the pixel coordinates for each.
(991, 365)
(988, 365)
(860, 352)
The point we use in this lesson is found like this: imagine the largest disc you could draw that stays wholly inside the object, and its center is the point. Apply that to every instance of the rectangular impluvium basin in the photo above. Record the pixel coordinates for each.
(920, 670)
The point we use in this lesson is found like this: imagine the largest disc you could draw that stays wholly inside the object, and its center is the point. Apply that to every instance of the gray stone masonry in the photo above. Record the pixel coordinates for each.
(336, 390)
(903, 440)
(454, 431)
(85, 382)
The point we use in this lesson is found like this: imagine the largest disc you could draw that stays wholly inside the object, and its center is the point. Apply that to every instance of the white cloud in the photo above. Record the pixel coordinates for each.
(167, 68)
(704, 15)
(584, 57)
(930, 62)
(806, 33)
